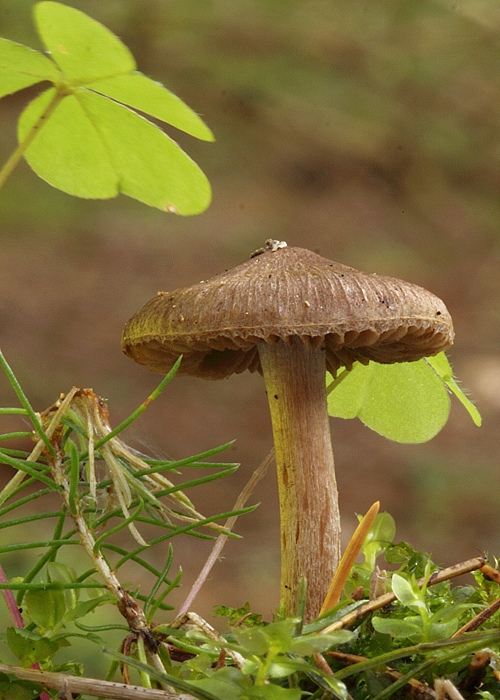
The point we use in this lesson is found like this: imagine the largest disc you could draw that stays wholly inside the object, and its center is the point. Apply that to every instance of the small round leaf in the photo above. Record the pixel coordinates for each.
(406, 402)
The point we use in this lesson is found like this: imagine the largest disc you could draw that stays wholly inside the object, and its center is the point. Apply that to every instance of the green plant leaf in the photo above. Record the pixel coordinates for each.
(87, 606)
(227, 682)
(259, 640)
(45, 607)
(253, 640)
(399, 629)
(85, 149)
(379, 537)
(21, 67)
(18, 690)
(150, 97)
(82, 137)
(406, 402)
(382, 531)
(83, 48)
(405, 593)
(441, 630)
(68, 152)
(441, 365)
(30, 647)
(156, 171)
(310, 644)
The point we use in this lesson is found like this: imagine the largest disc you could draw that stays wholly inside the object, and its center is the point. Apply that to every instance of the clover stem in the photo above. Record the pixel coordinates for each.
(295, 377)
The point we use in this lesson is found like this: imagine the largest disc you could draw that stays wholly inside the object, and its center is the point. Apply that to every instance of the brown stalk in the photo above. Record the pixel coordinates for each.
(309, 512)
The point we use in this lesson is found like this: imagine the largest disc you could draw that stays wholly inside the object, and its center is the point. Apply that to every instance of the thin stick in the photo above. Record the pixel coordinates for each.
(222, 538)
(485, 614)
(437, 577)
(195, 620)
(127, 606)
(10, 602)
(491, 573)
(444, 688)
(478, 619)
(91, 686)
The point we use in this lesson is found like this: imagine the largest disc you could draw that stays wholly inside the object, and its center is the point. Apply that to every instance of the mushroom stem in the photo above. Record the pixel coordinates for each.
(295, 377)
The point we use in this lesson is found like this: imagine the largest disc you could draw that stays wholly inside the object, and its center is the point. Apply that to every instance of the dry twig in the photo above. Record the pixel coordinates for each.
(91, 686)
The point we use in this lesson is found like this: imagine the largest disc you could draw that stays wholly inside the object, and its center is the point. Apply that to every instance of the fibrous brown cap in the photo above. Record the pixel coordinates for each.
(281, 294)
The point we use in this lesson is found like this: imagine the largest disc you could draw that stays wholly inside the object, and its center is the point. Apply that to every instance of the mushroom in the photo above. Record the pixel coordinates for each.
(291, 314)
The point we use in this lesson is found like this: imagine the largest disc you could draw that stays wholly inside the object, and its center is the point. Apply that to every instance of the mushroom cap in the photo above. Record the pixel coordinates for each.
(281, 294)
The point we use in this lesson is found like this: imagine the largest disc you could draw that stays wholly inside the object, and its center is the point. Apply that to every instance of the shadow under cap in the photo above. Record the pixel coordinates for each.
(283, 294)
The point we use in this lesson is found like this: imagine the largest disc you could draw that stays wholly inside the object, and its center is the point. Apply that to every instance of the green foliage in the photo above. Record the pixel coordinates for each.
(87, 135)
(410, 640)
(103, 488)
(80, 460)
(237, 615)
(30, 647)
(269, 659)
(427, 626)
(406, 402)
(18, 690)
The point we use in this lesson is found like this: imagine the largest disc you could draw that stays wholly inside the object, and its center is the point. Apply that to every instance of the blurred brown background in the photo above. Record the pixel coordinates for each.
(366, 131)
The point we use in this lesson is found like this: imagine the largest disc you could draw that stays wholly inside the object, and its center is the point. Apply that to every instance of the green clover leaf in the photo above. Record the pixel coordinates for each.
(83, 135)
(407, 402)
